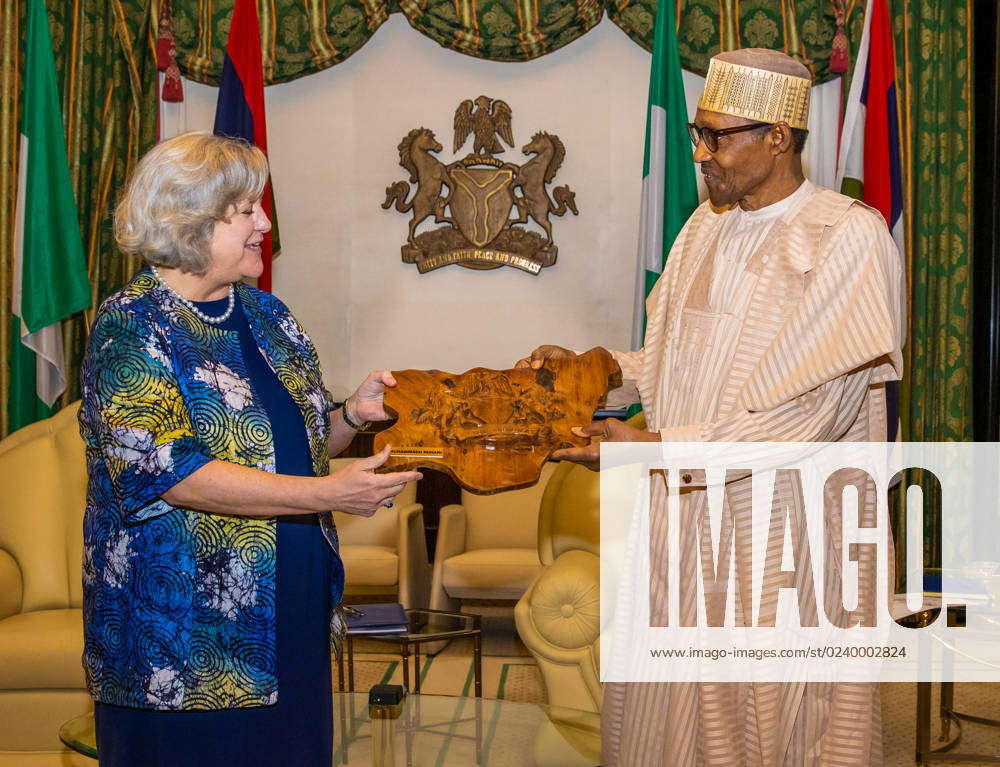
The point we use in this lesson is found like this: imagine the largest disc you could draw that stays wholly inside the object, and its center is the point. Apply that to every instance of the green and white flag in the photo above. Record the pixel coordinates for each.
(669, 190)
(50, 271)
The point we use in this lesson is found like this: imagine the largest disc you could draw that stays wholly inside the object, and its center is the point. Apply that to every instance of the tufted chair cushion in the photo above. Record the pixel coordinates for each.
(558, 619)
(565, 605)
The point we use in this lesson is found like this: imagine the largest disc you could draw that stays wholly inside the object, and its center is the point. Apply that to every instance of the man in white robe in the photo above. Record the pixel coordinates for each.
(778, 317)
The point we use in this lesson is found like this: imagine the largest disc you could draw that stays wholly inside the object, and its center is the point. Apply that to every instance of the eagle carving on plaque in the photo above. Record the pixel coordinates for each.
(491, 212)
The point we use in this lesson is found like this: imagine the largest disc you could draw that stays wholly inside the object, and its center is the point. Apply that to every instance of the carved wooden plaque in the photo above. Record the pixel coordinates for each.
(493, 429)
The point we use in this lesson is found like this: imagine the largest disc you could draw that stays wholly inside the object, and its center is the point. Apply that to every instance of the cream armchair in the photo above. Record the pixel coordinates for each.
(487, 546)
(43, 485)
(387, 552)
(558, 618)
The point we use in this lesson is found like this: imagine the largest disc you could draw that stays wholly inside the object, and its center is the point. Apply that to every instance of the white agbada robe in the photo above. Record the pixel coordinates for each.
(741, 233)
(781, 324)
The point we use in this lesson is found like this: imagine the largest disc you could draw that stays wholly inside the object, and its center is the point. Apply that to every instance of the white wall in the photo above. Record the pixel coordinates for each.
(332, 140)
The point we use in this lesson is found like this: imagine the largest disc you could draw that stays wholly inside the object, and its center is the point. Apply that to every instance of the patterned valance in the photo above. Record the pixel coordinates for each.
(298, 37)
(304, 36)
(503, 30)
(803, 28)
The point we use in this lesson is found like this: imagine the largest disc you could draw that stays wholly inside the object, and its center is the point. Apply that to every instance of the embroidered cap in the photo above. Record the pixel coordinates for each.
(759, 84)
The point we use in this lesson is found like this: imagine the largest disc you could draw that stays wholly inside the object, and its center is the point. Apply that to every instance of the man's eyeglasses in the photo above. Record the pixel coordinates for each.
(711, 136)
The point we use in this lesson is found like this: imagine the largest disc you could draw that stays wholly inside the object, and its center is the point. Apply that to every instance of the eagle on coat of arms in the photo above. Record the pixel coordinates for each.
(475, 196)
(489, 119)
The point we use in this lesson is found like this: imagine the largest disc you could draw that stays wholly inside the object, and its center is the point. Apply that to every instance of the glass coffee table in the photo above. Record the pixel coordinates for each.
(438, 731)
(78, 734)
(425, 626)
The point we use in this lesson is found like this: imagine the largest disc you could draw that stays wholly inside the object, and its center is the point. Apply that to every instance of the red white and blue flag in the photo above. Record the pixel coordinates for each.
(869, 166)
(239, 111)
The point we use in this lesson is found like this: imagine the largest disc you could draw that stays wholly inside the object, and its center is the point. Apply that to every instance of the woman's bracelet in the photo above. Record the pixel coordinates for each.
(350, 421)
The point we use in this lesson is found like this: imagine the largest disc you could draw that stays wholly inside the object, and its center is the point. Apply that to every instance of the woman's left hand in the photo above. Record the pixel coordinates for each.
(366, 402)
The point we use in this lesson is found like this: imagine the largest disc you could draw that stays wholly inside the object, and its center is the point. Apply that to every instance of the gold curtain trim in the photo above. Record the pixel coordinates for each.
(319, 41)
(906, 391)
(9, 107)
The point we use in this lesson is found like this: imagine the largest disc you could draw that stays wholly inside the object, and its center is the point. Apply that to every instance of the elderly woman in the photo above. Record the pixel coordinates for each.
(211, 570)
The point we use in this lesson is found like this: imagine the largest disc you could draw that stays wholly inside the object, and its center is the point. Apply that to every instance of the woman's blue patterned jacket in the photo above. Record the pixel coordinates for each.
(179, 608)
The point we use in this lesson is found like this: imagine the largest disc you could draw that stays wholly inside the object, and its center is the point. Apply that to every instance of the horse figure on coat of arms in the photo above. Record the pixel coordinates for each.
(428, 173)
(532, 178)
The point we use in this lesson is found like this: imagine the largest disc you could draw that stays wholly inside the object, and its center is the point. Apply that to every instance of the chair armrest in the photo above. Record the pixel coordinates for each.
(406, 514)
(414, 568)
(450, 542)
(11, 586)
(451, 532)
(562, 608)
(558, 619)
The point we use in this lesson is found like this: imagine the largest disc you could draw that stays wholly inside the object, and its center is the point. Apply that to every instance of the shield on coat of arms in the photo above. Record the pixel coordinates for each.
(481, 201)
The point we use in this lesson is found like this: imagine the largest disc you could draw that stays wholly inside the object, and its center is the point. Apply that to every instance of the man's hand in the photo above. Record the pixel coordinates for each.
(537, 358)
(609, 430)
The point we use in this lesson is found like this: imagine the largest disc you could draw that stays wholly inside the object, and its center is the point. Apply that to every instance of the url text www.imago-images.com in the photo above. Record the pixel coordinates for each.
(800, 562)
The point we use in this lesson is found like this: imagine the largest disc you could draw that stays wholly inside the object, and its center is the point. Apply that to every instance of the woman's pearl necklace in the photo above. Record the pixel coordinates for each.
(195, 310)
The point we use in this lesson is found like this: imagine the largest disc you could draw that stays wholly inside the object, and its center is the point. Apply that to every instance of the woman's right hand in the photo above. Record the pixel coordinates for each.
(357, 489)
(537, 358)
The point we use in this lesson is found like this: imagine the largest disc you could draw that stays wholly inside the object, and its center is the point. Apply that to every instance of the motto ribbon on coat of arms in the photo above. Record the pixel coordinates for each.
(475, 196)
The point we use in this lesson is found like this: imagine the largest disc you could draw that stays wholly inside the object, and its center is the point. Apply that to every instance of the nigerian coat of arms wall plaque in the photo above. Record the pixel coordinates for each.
(482, 200)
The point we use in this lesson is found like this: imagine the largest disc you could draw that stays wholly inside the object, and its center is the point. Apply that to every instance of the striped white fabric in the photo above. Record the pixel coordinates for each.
(740, 234)
(796, 346)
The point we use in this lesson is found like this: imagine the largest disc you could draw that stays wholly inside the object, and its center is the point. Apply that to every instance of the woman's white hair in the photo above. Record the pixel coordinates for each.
(178, 190)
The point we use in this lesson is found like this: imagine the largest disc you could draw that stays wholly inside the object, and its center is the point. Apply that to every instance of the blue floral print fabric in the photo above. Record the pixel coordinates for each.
(179, 605)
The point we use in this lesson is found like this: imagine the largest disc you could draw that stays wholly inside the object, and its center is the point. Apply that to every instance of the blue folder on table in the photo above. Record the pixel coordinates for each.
(381, 618)
(972, 590)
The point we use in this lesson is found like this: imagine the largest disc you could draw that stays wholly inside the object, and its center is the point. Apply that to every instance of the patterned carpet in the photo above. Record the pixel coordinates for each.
(899, 706)
(509, 673)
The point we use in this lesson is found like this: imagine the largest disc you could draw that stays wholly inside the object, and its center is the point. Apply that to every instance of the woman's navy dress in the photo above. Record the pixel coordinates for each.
(298, 730)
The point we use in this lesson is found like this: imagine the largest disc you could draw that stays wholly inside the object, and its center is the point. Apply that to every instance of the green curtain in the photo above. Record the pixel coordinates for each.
(801, 28)
(304, 36)
(106, 66)
(933, 52)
